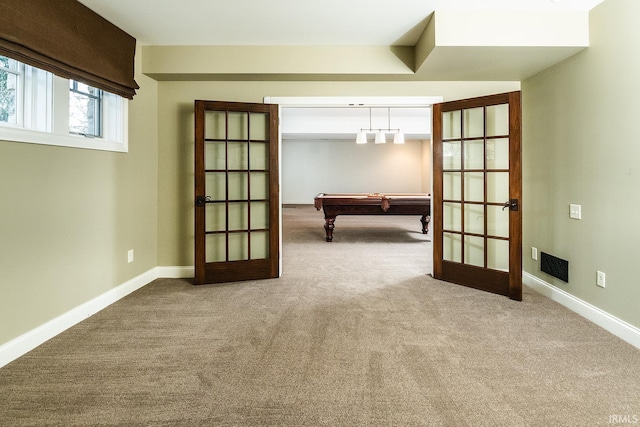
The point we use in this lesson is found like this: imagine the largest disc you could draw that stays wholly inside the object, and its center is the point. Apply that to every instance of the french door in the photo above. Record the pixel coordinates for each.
(477, 190)
(237, 216)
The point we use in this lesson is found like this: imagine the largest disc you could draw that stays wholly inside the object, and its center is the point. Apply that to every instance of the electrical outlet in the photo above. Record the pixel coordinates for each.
(130, 255)
(600, 279)
(534, 253)
(575, 211)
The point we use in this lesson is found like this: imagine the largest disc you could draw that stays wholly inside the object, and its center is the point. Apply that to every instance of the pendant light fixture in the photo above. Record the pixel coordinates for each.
(381, 138)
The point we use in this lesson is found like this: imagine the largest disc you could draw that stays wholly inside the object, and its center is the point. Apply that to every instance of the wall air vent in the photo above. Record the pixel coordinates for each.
(554, 266)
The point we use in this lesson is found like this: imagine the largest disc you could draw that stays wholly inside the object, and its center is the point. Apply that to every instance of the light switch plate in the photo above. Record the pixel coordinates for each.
(575, 211)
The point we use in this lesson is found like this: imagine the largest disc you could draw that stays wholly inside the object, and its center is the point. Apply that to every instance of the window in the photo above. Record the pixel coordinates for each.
(85, 112)
(38, 107)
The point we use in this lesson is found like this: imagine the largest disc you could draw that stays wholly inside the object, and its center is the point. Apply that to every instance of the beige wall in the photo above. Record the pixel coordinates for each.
(581, 145)
(68, 217)
(175, 109)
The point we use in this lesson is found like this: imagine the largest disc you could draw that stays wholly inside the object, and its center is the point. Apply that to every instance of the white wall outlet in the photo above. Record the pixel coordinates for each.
(130, 255)
(575, 211)
(534, 253)
(600, 279)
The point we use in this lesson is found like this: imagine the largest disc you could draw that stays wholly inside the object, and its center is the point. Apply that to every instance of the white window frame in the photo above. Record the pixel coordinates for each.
(43, 116)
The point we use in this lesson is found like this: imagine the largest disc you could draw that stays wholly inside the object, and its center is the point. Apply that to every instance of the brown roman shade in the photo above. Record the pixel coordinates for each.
(70, 40)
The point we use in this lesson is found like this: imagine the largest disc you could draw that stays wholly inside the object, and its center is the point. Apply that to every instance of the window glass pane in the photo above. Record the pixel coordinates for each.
(214, 124)
(8, 90)
(238, 189)
(451, 124)
(474, 122)
(259, 185)
(259, 127)
(498, 254)
(498, 120)
(238, 155)
(259, 245)
(259, 156)
(452, 216)
(474, 218)
(214, 155)
(259, 215)
(474, 154)
(215, 217)
(497, 187)
(452, 186)
(238, 125)
(497, 221)
(451, 247)
(215, 248)
(474, 250)
(216, 185)
(451, 155)
(498, 153)
(84, 109)
(474, 186)
(238, 246)
(238, 216)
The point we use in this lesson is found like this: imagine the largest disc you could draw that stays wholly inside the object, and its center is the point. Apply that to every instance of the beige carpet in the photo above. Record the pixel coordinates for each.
(354, 334)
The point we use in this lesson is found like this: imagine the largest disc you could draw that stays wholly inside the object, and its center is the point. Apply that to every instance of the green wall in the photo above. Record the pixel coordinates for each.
(581, 144)
(69, 216)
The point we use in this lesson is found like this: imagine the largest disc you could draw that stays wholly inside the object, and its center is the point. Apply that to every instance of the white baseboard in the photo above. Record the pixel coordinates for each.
(176, 272)
(617, 327)
(35, 337)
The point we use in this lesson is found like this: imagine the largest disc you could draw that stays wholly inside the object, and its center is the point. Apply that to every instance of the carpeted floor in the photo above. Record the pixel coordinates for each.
(355, 333)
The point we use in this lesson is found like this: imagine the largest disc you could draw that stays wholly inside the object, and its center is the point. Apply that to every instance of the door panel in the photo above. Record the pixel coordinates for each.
(237, 195)
(477, 189)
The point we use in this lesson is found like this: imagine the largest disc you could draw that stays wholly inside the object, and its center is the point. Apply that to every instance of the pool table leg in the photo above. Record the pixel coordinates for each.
(328, 227)
(425, 223)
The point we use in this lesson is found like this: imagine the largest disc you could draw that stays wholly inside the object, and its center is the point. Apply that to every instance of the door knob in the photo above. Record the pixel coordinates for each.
(201, 200)
(512, 204)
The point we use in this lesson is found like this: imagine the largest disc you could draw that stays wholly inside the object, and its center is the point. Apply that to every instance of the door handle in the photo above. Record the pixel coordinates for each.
(201, 200)
(512, 204)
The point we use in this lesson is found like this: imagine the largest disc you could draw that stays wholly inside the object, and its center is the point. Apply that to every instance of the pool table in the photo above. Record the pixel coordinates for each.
(372, 204)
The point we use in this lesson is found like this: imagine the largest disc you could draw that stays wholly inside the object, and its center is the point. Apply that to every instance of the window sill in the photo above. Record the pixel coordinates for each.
(71, 141)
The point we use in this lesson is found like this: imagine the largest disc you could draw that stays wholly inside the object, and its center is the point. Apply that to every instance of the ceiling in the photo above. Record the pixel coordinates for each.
(293, 22)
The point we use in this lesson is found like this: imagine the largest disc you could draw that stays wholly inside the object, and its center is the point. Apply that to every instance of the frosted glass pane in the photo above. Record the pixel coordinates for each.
(451, 155)
(214, 155)
(451, 124)
(238, 186)
(259, 126)
(498, 120)
(451, 186)
(215, 185)
(498, 153)
(474, 251)
(474, 186)
(259, 186)
(259, 215)
(474, 122)
(214, 124)
(474, 219)
(238, 155)
(259, 245)
(215, 217)
(238, 216)
(452, 216)
(474, 154)
(259, 156)
(238, 246)
(238, 125)
(215, 248)
(451, 247)
(498, 254)
(497, 187)
(497, 221)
